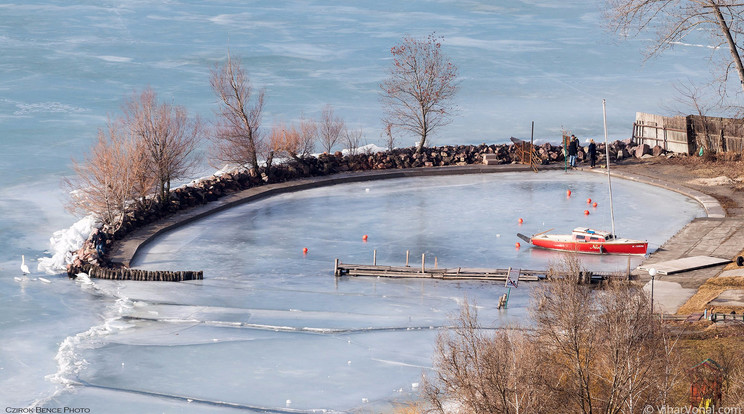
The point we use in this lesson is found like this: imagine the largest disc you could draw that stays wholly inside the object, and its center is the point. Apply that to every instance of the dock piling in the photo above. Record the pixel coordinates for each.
(628, 274)
(97, 272)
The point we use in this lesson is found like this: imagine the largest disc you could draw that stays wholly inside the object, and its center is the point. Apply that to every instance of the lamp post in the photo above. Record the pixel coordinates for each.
(652, 273)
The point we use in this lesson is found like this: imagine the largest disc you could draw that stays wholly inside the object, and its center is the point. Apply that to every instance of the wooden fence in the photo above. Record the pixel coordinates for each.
(687, 134)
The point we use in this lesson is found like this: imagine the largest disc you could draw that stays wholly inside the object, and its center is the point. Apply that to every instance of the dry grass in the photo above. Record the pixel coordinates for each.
(710, 290)
(414, 407)
(727, 202)
(729, 165)
(710, 342)
(686, 169)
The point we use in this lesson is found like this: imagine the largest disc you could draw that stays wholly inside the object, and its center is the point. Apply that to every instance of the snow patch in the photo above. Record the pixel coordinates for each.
(64, 244)
(722, 180)
(365, 149)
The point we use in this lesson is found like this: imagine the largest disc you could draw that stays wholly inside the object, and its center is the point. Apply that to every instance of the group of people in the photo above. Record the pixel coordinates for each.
(573, 152)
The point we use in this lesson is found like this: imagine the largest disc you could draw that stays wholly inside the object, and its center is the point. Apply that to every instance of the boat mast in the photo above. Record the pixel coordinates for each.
(607, 158)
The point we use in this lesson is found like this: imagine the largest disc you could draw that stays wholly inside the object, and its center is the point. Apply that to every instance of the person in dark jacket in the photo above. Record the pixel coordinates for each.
(99, 240)
(592, 150)
(573, 151)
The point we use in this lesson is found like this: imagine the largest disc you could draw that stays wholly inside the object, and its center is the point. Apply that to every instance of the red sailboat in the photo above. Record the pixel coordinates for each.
(586, 240)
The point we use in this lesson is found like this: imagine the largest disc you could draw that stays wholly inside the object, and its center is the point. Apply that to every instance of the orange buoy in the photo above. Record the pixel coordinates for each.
(364, 237)
(588, 200)
(586, 212)
(304, 250)
(517, 245)
(520, 220)
(594, 205)
(568, 193)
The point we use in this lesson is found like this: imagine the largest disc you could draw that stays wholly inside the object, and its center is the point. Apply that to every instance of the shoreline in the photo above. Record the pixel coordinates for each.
(647, 171)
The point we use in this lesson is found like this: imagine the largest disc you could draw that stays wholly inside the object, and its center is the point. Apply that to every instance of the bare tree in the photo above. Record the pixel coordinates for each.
(389, 138)
(632, 367)
(168, 136)
(329, 129)
(607, 351)
(353, 139)
(693, 96)
(564, 312)
(421, 83)
(482, 373)
(733, 380)
(113, 175)
(675, 20)
(308, 130)
(291, 142)
(237, 138)
(592, 350)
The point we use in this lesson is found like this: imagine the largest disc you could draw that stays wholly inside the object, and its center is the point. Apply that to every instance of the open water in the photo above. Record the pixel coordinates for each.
(270, 325)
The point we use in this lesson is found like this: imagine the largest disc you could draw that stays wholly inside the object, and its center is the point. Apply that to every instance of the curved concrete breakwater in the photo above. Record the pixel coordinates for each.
(216, 194)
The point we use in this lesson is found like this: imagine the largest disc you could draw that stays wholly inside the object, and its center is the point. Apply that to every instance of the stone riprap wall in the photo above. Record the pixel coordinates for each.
(210, 189)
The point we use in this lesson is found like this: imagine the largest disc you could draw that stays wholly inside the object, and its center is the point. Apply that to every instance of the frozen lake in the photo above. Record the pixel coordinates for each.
(66, 68)
(269, 324)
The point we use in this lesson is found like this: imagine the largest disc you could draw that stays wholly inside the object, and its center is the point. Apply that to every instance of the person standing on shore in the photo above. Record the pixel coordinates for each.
(573, 151)
(592, 150)
(99, 241)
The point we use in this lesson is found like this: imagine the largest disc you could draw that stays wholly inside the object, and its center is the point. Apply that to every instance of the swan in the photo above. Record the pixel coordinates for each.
(24, 268)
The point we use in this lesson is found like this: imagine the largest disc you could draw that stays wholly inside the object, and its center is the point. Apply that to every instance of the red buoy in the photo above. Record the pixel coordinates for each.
(586, 212)
(304, 250)
(517, 245)
(568, 193)
(520, 220)
(364, 237)
(594, 205)
(588, 200)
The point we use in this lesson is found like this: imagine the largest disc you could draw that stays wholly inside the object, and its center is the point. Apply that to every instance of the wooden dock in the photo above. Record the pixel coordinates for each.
(509, 276)
(458, 273)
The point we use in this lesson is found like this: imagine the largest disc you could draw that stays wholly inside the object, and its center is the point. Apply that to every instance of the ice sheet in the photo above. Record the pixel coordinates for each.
(66, 67)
